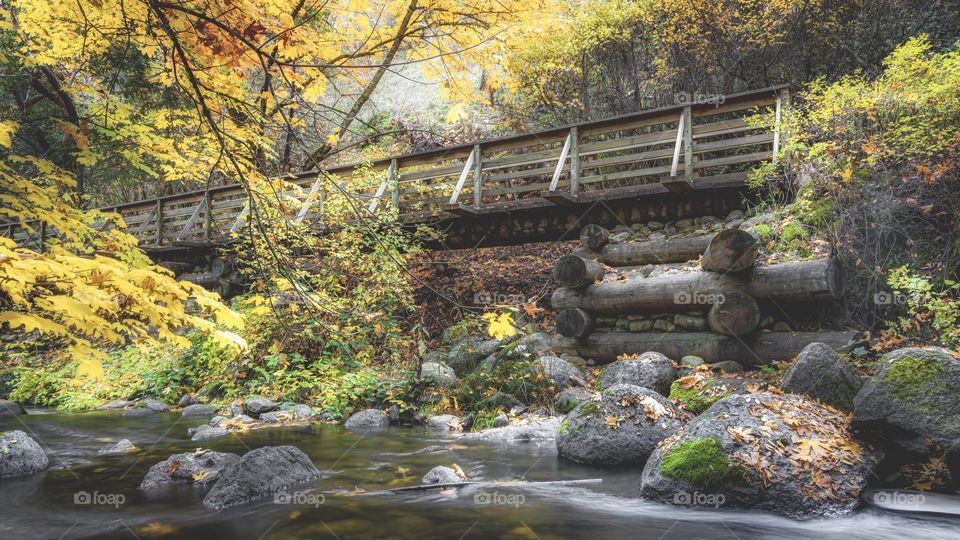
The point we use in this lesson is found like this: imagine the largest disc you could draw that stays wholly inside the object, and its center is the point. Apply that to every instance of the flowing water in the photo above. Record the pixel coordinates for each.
(57, 504)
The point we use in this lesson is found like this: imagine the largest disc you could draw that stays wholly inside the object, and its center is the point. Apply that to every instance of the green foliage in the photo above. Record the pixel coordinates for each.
(936, 308)
(701, 463)
(694, 399)
(514, 377)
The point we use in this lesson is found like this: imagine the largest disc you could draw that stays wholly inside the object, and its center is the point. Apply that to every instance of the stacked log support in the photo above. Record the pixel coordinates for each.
(728, 288)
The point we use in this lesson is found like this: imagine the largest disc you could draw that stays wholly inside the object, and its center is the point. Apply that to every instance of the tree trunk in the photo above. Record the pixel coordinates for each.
(574, 323)
(572, 271)
(731, 250)
(789, 282)
(594, 237)
(750, 351)
(652, 252)
(737, 315)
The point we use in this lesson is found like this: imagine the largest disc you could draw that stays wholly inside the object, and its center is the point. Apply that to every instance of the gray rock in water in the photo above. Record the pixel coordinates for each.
(261, 473)
(913, 398)
(727, 366)
(299, 411)
(186, 400)
(217, 420)
(200, 468)
(20, 455)
(501, 421)
(559, 372)
(276, 417)
(206, 432)
(438, 373)
(368, 419)
(257, 405)
(123, 446)
(643, 418)
(538, 433)
(649, 370)
(441, 423)
(812, 466)
(199, 409)
(10, 408)
(821, 374)
(147, 407)
(570, 398)
(441, 475)
(115, 404)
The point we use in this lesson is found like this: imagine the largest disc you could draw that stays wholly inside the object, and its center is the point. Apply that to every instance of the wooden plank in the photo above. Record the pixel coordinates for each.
(561, 198)
(463, 177)
(687, 149)
(478, 178)
(574, 160)
(192, 221)
(677, 146)
(560, 164)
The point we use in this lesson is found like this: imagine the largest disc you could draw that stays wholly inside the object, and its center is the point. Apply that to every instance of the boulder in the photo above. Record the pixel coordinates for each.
(276, 417)
(455, 334)
(913, 398)
(465, 356)
(443, 423)
(147, 407)
(10, 408)
(438, 373)
(541, 432)
(783, 454)
(186, 400)
(691, 361)
(821, 374)
(623, 427)
(206, 432)
(727, 366)
(649, 370)
(20, 455)
(560, 373)
(123, 446)
(256, 405)
(441, 475)
(501, 420)
(115, 404)
(570, 398)
(261, 473)
(697, 392)
(299, 411)
(532, 344)
(368, 419)
(200, 468)
(199, 409)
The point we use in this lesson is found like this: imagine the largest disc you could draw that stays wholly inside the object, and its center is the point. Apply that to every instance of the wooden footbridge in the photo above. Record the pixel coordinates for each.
(685, 159)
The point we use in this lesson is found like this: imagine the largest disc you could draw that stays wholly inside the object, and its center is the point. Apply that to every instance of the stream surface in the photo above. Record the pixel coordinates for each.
(51, 504)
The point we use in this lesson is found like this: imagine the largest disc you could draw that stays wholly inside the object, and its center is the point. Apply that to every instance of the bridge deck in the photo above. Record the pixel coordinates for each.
(678, 149)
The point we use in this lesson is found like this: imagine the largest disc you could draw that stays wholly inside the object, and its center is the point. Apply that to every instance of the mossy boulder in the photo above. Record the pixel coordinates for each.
(820, 373)
(784, 454)
(20, 455)
(559, 372)
(696, 393)
(466, 355)
(624, 426)
(649, 370)
(913, 398)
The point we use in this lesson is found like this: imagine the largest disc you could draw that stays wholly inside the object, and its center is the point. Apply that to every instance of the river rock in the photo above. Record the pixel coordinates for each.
(465, 356)
(531, 345)
(199, 409)
(691, 361)
(10, 408)
(123, 446)
(438, 373)
(642, 418)
(256, 405)
(261, 473)
(697, 392)
(559, 372)
(20, 455)
(276, 417)
(299, 411)
(541, 432)
(501, 420)
(115, 404)
(913, 398)
(200, 468)
(206, 432)
(368, 419)
(570, 398)
(147, 407)
(649, 370)
(443, 423)
(441, 475)
(821, 374)
(784, 454)
(186, 400)
(727, 366)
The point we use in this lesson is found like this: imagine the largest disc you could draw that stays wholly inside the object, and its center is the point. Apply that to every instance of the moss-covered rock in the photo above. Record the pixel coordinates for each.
(913, 398)
(779, 453)
(696, 393)
(820, 373)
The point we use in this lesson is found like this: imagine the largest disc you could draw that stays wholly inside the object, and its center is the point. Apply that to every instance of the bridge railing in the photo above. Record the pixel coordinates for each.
(703, 144)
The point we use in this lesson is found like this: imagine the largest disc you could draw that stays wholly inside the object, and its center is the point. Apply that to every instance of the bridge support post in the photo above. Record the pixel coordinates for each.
(688, 144)
(394, 178)
(477, 177)
(159, 232)
(574, 161)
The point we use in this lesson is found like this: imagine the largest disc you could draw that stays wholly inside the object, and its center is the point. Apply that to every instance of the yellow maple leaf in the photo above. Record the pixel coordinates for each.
(500, 326)
(90, 368)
